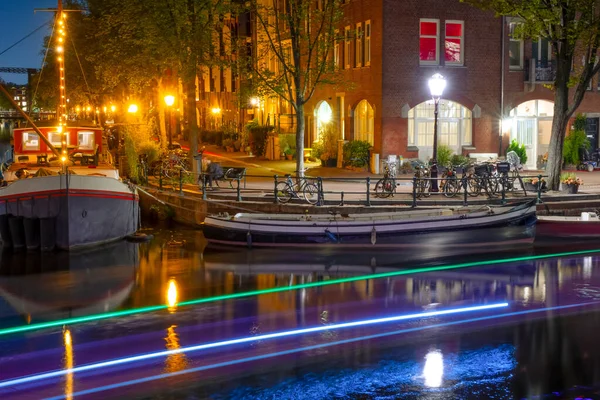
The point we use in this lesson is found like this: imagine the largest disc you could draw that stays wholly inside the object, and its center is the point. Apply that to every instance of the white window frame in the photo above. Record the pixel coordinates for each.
(358, 51)
(367, 46)
(24, 142)
(92, 134)
(437, 42)
(347, 47)
(521, 48)
(60, 136)
(336, 50)
(461, 62)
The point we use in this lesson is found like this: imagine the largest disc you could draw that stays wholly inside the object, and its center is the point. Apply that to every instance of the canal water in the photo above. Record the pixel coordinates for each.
(533, 334)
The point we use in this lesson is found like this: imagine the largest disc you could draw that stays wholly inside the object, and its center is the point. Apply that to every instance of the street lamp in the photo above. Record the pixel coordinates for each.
(437, 84)
(133, 108)
(216, 111)
(169, 101)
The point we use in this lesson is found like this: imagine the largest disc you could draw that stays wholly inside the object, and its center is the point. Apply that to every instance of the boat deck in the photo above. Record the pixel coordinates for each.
(31, 169)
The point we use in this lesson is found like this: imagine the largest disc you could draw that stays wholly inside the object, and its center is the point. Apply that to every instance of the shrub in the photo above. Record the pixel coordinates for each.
(213, 137)
(227, 143)
(287, 141)
(326, 147)
(356, 153)
(575, 141)
(138, 141)
(519, 149)
(151, 149)
(258, 139)
(444, 155)
(459, 159)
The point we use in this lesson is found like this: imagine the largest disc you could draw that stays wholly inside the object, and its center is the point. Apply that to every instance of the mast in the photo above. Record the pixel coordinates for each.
(61, 113)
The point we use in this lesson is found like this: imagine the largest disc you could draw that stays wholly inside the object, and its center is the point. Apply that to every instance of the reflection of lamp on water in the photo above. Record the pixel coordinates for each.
(68, 363)
(172, 295)
(176, 361)
(434, 369)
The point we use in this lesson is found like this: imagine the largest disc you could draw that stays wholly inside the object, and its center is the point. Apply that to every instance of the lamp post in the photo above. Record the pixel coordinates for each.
(437, 84)
(169, 101)
(216, 111)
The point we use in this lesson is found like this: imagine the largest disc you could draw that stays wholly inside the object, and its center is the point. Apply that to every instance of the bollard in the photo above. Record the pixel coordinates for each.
(320, 199)
(275, 198)
(539, 190)
(239, 193)
(342, 198)
(414, 192)
(203, 181)
(181, 182)
(465, 193)
(368, 191)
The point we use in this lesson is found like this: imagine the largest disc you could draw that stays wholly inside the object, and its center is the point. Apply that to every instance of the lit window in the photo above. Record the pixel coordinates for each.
(55, 138)
(429, 35)
(364, 122)
(453, 46)
(359, 45)
(31, 141)
(85, 140)
(515, 47)
(347, 47)
(367, 43)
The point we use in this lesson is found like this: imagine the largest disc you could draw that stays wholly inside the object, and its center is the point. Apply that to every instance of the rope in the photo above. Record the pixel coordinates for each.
(43, 63)
(80, 66)
(19, 41)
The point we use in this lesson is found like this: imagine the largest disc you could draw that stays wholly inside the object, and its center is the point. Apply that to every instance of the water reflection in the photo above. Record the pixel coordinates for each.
(176, 361)
(68, 363)
(434, 369)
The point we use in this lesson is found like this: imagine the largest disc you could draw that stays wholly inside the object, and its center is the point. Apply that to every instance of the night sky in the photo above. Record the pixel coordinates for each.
(17, 20)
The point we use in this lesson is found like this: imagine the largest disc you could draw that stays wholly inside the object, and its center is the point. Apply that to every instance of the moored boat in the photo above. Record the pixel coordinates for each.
(459, 228)
(585, 226)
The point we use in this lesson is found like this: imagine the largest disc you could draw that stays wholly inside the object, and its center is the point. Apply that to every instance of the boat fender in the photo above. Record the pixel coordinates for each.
(249, 239)
(139, 237)
(373, 236)
(331, 236)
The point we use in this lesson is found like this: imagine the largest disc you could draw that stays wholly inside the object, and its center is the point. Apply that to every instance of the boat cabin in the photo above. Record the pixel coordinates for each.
(84, 143)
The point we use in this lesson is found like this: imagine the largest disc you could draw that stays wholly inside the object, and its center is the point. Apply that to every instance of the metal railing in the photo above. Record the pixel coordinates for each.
(360, 191)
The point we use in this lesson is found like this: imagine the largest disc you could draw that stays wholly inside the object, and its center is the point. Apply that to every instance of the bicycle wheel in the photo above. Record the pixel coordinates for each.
(311, 193)
(384, 188)
(284, 192)
(450, 187)
(473, 186)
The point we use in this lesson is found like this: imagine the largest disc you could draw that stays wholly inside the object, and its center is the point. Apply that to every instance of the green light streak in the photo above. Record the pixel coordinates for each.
(96, 317)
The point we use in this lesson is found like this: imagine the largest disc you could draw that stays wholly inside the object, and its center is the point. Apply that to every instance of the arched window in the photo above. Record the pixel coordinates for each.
(323, 115)
(454, 127)
(364, 122)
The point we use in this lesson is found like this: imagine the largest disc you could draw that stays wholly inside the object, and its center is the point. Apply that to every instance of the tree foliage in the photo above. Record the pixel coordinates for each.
(572, 27)
(293, 57)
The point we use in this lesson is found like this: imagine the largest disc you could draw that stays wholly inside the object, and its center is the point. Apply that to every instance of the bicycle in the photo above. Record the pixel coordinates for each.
(386, 186)
(423, 182)
(286, 190)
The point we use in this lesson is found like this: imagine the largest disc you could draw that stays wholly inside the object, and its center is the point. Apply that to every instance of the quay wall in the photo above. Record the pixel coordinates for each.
(191, 209)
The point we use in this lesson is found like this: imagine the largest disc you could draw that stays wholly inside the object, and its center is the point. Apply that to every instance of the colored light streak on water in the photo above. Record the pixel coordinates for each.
(231, 342)
(141, 310)
(69, 363)
(319, 346)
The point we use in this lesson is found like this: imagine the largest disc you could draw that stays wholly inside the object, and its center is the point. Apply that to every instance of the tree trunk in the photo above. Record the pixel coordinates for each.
(192, 121)
(559, 122)
(300, 140)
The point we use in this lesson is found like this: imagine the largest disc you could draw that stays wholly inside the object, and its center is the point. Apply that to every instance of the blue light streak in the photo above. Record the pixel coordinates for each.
(295, 332)
(315, 347)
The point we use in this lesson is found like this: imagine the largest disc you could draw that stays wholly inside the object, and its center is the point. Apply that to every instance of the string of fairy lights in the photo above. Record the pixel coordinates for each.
(62, 107)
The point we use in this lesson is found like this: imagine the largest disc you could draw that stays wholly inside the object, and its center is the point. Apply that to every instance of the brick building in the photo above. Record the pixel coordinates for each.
(494, 83)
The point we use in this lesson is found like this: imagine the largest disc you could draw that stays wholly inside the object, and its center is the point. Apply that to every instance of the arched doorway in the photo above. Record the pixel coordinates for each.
(530, 123)
(364, 122)
(323, 116)
(454, 127)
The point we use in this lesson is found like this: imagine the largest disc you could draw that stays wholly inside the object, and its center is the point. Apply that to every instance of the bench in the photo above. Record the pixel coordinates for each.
(231, 174)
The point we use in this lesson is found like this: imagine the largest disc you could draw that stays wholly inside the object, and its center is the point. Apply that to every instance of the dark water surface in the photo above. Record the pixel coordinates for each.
(542, 344)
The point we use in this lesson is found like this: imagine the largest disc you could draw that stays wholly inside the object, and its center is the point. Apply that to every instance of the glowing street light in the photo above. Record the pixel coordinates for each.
(254, 101)
(437, 84)
(169, 101)
(133, 108)
(216, 110)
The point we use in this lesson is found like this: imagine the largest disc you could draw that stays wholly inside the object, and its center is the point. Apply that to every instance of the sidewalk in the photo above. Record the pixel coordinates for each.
(267, 168)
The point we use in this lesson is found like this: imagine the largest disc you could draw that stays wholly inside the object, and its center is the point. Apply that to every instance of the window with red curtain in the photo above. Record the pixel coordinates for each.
(453, 45)
(428, 41)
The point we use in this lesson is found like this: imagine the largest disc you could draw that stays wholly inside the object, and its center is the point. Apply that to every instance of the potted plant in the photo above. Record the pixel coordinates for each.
(228, 144)
(289, 153)
(532, 184)
(569, 183)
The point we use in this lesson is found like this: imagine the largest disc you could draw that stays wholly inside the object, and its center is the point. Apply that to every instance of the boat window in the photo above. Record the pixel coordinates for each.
(31, 141)
(55, 138)
(85, 140)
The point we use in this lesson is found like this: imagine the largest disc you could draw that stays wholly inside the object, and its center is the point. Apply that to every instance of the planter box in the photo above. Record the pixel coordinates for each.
(530, 187)
(569, 189)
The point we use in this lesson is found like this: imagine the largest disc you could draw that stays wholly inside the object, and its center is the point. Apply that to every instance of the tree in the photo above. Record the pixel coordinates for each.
(572, 27)
(299, 38)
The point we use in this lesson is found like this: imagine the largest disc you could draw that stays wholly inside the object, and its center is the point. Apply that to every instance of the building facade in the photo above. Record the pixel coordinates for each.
(495, 84)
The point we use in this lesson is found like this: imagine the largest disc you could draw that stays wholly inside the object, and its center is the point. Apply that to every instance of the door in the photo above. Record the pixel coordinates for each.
(591, 130)
(527, 135)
